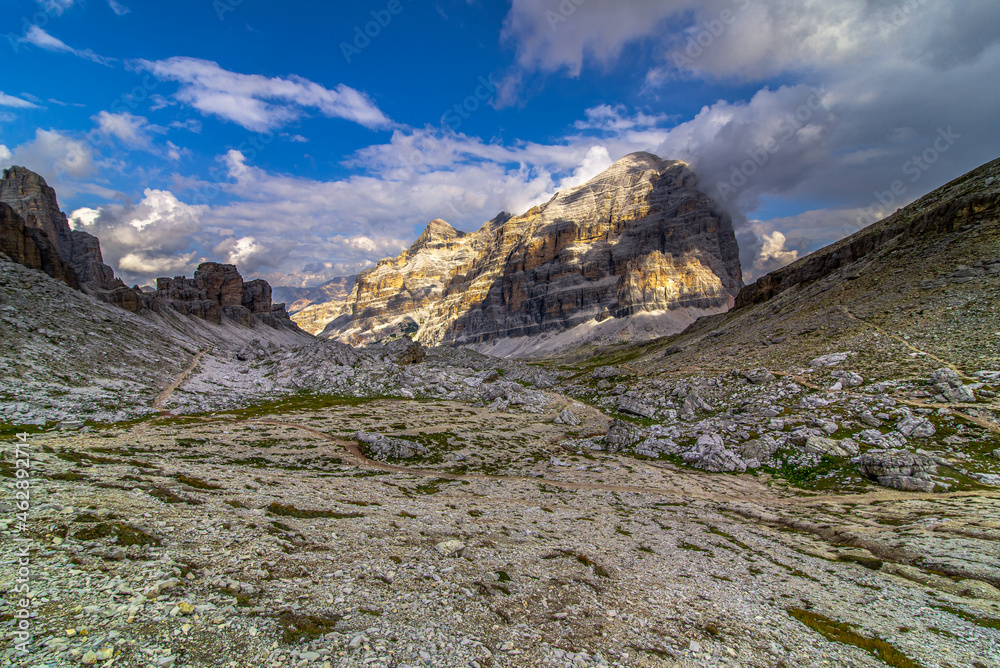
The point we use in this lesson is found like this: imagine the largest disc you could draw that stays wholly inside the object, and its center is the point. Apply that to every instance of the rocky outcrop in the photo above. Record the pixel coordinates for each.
(35, 233)
(639, 238)
(899, 469)
(31, 247)
(217, 290)
(36, 203)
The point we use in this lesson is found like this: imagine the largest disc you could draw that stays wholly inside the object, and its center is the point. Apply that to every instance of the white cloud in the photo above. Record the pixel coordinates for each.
(55, 156)
(554, 37)
(56, 7)
(118, 8)
(773, 254)
(83, 217)
(159, 236)
(43, 40)
(15, 102)
(260, 103)
(131, 130)
(5, 155)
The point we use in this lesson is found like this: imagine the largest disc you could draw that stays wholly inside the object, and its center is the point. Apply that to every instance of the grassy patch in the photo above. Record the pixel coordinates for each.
(286, 510)
(298, 627)
(195, 482)
(985, 622)
(842, 633)
(123, 534)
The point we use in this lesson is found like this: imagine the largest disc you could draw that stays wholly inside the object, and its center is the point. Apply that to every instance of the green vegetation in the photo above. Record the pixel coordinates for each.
(123, 534)
(195, 482)
(284, 510)
(985, 622)
(298, 627)
(842, 633)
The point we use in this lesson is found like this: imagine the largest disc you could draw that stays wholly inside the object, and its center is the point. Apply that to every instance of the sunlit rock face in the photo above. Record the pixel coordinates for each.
(639, 238)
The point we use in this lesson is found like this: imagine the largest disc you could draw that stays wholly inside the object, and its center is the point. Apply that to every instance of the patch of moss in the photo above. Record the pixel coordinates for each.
(985, 622)
(842, 633)
(286, 510)
(124, 534)
(195, 482)
(297, 627)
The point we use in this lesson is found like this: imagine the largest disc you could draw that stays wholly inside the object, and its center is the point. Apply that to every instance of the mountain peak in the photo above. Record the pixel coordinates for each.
(436, 231)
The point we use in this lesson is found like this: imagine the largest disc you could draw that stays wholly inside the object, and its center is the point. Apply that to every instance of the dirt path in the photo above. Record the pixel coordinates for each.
(162, 397)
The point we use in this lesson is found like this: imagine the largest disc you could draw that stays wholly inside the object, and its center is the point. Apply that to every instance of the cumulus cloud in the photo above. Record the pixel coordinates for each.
(15, 102)
(5, 155)
(56, 156)
(554, 37)
(43, 40)
(773, 254)
(132, 131)
(744, 150)
(260, 103)
(158, 236)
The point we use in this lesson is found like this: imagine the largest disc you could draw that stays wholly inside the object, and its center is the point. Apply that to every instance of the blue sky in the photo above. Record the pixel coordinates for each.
(288, 141)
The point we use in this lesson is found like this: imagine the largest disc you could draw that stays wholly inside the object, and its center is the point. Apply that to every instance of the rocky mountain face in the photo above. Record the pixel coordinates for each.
(638, 239)
(31, 247)
(35, 232)
(78, 252)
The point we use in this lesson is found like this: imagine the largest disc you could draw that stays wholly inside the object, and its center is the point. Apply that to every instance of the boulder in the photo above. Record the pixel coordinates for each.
(633, 406)
(622, 435)
(384, 448)
(819, 445)
(899, 469)
(759, 376)
(916, 427)
(567, 418)
(947, 376)
(711, 454)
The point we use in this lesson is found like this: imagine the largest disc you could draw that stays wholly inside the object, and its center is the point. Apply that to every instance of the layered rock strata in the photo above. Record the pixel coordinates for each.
(639, 238)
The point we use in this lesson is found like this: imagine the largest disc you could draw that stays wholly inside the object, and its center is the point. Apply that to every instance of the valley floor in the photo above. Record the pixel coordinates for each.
(264, 537)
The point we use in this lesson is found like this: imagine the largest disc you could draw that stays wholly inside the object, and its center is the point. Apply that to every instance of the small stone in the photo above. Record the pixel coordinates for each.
(89, 659)
(450, 548)
(185, 608)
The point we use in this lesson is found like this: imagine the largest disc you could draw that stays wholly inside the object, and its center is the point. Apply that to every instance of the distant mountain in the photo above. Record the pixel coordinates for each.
(635, 253)
(296, 299)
